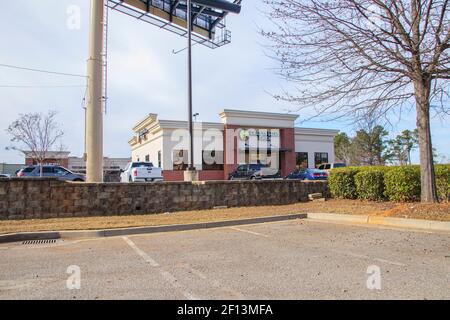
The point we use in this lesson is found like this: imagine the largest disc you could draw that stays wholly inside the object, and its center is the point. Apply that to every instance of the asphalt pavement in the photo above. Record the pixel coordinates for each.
(296, 259)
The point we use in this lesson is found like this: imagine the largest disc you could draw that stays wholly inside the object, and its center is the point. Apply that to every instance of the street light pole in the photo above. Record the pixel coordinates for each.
(190, 174)
(191, 131)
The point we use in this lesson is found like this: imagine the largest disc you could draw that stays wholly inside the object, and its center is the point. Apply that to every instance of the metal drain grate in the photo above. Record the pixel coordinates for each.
(46, 241)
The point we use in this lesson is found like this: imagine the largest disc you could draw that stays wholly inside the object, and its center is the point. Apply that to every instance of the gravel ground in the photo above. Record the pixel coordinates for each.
(413, 210)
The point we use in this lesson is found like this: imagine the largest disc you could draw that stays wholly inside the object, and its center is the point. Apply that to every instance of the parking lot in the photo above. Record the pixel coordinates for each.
(300, 259)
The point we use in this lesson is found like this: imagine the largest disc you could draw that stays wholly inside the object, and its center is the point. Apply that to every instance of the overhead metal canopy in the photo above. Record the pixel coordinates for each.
(208, 24)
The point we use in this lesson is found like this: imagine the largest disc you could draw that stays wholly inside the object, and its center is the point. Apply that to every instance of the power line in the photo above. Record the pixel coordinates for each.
(44, 86)
(42, 71)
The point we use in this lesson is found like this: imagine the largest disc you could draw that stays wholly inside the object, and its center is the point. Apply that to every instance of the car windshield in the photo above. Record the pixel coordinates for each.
(142, 164)
(28, 169)
(60, 170)
(257, 166)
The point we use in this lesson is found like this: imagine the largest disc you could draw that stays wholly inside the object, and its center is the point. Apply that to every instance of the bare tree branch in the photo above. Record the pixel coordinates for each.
(350, 58)
(36, 133)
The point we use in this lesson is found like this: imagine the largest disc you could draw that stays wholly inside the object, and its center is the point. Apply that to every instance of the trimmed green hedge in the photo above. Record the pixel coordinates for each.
(402, 183)
(385, 183)
(370, 185)
(342, 183)
(443, 182)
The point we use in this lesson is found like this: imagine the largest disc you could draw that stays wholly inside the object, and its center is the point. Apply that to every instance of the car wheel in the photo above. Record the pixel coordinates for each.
(252, 178)
(78, 180)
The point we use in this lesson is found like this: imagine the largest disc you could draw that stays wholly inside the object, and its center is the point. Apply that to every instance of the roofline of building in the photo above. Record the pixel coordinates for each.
(151, 117)
(109, 158)
(258, 114)
(181, 124)
(316, 131)
(48, 153)
(161, 124)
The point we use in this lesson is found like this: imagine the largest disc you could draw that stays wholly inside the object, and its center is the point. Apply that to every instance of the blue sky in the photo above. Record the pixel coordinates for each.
(144, 75)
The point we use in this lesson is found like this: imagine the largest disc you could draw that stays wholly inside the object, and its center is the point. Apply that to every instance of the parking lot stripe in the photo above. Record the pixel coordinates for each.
(145, 256)
(235, 294)
(369, 258)
(251, 232)
(165, 274)
(391, 262)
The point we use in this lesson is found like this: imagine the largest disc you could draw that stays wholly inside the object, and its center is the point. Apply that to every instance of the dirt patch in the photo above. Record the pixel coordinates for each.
(428, 211)
(418, 211)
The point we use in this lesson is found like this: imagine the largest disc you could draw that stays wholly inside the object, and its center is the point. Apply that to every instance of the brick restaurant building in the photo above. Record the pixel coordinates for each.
(60, 158)
(166, 144)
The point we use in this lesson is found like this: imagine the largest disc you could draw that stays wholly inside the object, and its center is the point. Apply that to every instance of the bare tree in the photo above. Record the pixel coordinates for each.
(350, 58)
(36, 132)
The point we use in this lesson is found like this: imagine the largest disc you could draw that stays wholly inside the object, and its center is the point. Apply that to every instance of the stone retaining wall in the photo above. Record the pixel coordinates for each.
(24, 198)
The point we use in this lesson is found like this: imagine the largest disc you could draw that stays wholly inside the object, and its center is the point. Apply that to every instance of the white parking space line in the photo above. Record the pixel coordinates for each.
(145, 256)
(391, 262)
(233, 294)
(360, 256)
(165, 274)
(375, 226)
(251, 232)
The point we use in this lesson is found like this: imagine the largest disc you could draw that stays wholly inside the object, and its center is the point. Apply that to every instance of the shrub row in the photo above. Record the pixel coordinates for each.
(385, 183)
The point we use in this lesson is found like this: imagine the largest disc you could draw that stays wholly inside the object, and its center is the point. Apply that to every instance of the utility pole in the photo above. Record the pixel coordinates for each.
(94, 110)
(190, 174)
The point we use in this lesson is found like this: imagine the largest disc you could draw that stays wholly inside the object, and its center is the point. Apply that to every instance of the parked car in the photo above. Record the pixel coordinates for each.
(307, 174)
(254, 172)
(51, 171)
(329, 166)
(140, 172)
(4, 175)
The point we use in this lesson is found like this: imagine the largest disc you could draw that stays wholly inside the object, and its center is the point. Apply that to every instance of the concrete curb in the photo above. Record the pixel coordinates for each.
(429, 225)
(83, 234)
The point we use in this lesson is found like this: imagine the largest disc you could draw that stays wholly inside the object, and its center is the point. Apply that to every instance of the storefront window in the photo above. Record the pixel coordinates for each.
(159, 159)
(212, 160)
(266, 157)
(180, 160)
(302, 160)
(320, 157)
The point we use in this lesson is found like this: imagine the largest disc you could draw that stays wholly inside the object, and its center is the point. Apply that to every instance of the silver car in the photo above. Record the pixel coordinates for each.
(51, 171)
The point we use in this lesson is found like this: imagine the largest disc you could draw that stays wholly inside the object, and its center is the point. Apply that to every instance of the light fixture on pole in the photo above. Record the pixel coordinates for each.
(195, 115)
(191, 174)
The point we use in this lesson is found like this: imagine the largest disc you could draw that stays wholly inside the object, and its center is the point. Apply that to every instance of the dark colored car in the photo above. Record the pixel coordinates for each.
(253, 172)
(308, 174)
(51, 171)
